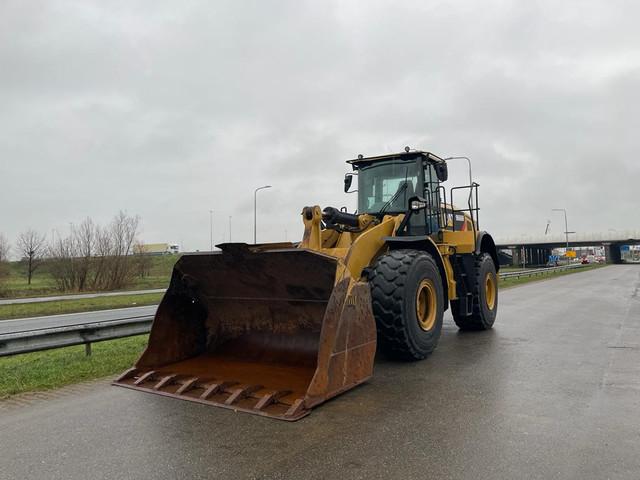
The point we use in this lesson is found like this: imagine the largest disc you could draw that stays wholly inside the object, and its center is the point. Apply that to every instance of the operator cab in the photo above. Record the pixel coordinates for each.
(407, 182)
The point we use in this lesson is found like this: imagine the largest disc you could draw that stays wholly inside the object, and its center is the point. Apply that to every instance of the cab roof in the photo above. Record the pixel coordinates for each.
(404, 156)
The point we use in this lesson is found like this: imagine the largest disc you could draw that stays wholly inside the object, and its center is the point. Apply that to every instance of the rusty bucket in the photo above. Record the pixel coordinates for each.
(271, 330)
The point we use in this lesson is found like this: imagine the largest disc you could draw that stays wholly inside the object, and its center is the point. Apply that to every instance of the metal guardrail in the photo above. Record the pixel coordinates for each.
(87, 333)
(537, 271)
(81, 334)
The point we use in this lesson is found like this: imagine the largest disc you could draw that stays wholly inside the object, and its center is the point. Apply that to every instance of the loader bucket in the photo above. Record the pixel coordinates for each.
(271, 331)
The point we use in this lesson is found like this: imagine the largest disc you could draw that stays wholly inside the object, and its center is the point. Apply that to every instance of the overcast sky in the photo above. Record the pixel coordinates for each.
(170, 109)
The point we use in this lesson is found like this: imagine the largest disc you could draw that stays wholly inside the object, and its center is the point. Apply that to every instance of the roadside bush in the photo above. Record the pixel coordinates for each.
(4, 275)
(94, 257)
(143, 261)
(4, 265)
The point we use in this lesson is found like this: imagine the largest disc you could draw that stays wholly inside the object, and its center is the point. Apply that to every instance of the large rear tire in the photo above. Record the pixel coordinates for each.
(408, 303)
(485, 297)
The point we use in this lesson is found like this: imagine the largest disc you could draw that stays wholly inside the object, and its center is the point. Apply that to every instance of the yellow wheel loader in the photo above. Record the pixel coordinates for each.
(276, 329)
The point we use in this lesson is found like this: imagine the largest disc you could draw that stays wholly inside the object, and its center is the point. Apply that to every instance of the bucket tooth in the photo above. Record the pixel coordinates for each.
(188, 385)
(271, 398)
(296, 409)
(164, 382)
(128, 374)
(216, 388)
(242, 392)
(143, 378)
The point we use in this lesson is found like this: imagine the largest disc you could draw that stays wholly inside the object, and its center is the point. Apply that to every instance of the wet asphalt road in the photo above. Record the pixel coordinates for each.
(552, 392)
(68, 319)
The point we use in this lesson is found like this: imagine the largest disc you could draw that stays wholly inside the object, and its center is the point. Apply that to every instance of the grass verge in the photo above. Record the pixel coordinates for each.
(64, 366)
(22, 310)
(514, 282)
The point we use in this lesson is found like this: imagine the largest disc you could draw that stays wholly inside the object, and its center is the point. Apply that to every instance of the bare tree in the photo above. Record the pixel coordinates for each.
(85, 240)
(5, 247)
(143, 260)
(95, 257)
(123, 233)
(72, 257)
(63, 263)
(32, 246)
(103, 252)
(4, 258)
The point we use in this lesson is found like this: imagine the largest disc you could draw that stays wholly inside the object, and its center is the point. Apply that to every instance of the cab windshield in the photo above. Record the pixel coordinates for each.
(387, 185)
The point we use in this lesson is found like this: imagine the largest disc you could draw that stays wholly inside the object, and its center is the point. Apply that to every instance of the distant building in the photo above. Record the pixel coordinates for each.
(157, 249)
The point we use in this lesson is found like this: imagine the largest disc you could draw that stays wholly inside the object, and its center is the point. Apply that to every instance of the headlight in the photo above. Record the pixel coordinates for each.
(417, 205)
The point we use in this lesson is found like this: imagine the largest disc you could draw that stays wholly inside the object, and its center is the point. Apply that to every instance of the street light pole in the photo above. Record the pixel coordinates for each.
(211, 229)
(229, 228)
(255, 209)
(566, 230)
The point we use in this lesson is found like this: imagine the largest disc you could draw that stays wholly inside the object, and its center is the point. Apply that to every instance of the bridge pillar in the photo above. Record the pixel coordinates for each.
(612, 252)
(533, 256)
(516, 255)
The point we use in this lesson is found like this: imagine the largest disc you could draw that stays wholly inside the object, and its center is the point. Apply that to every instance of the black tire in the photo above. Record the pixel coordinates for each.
(485, 307)
(396, 280)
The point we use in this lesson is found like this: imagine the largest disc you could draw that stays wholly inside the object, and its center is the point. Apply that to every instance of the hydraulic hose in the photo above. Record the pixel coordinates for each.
(333, 216)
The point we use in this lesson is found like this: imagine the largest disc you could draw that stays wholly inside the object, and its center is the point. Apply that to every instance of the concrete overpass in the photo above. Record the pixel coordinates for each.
(537, 248)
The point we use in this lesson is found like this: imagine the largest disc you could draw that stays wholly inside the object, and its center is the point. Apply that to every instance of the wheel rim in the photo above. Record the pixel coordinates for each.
(426, 304)
(490, 291)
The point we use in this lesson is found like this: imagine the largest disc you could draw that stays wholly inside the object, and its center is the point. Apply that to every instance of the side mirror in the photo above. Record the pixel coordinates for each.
(348, 180)
(442, 171)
